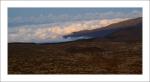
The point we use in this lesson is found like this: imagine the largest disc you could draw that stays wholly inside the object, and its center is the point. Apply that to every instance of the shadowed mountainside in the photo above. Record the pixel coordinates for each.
(120, 52)
(129, 29)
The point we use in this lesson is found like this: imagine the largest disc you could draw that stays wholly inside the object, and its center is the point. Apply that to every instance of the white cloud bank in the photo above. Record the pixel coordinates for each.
(55, 32)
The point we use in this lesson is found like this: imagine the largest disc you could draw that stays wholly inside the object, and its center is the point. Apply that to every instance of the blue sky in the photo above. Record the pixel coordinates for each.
(13, 12)
(22, 16)
(51, 24)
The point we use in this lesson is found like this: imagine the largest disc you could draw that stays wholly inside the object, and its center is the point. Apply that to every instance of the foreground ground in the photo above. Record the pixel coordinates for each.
(79, 57)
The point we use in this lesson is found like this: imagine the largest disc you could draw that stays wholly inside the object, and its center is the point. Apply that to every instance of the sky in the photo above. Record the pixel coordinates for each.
(41, 25)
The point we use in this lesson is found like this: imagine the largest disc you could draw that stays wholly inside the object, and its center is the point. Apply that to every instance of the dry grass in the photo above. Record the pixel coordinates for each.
(79, 57)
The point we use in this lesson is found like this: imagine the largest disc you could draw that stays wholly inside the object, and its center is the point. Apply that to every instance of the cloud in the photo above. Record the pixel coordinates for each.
(61, 18)
(55, 32)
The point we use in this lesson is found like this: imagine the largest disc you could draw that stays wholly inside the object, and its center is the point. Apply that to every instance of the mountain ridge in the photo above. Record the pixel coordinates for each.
(108, 31)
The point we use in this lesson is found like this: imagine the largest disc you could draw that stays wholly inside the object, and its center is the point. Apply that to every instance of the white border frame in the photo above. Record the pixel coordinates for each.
(4, 21)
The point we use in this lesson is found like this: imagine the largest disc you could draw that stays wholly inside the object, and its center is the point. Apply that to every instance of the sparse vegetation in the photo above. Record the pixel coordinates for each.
(82, 57)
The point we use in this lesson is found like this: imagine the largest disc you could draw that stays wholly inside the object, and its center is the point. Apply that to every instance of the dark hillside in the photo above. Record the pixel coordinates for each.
(129, 29)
